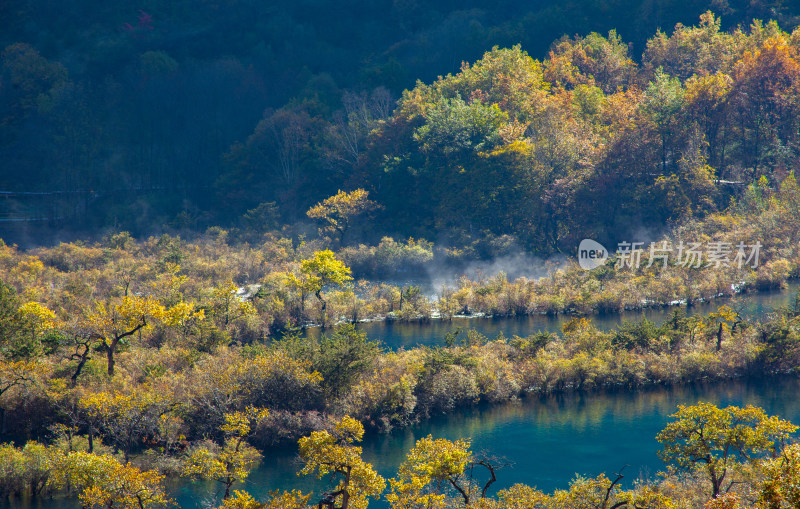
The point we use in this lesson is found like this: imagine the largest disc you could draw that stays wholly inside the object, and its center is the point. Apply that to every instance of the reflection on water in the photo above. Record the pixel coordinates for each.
(549, 439)
(432, 332)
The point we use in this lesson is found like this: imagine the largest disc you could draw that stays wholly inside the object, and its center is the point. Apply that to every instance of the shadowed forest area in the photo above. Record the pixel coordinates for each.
(173, 117)
(188, 188)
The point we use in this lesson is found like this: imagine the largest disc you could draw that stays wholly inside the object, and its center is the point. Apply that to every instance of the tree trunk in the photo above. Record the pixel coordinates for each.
(324, 306)
(84, 357)
(463, 493)
(719, 338)
(716, 482)
(493, 479)
(110, 355)
(346, 490)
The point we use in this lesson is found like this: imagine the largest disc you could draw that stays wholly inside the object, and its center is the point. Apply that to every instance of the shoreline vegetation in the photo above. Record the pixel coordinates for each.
(183, 358)
(124, 361)
(116, 421)
(178, 377)
(268, 288)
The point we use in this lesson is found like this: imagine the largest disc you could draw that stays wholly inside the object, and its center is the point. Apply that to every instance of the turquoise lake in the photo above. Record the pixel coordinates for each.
(546, 440)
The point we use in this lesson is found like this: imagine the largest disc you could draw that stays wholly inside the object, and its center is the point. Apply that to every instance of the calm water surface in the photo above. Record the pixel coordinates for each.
(546, 440)
(432, 332)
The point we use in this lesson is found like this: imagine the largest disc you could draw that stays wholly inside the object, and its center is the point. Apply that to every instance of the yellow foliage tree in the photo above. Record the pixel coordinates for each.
(780, 486)
(126, 415)
(725, 318)
(167, 286)
(37, 319)
(320, 270)
(334, 454)
(103, 482)
(110, 323)
(337, 212)
(427, 467)
(232, 462)
(711, 440)
(184, 317)
(227, 306)
(278, 500)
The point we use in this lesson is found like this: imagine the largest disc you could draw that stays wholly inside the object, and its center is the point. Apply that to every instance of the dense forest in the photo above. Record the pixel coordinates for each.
(176, 117)
(190, 189)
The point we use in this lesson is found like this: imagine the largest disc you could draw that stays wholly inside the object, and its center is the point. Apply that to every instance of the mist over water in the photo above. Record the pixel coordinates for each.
(437, 276)
(515, 266)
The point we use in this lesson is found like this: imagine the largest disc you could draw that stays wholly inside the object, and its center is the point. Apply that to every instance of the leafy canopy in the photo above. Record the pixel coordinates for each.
(713, 439)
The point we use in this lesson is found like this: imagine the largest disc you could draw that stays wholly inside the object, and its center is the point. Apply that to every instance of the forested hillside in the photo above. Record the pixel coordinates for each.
(179, 116)
(201, 202)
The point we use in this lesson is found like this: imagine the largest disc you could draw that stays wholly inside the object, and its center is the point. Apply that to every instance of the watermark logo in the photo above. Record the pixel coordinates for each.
(591, 254)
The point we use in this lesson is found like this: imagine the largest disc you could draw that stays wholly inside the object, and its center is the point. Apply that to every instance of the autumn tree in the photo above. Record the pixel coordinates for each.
(126, 416)
(585, 493)
(35, 320)
(706, 100)
(110, 323)
(166, 286)
(333, 454)
(764, 93)
(436, 468)
(33, 469)
(23, 326)
(429, 468)
(700, 50)
(709, 440)
(185, 317)
(337, 212)
(780, 487)
(591, 60)
(277, 500)
(227, 306)
(723, 319)
(233, 461)
(104, 482)
(317, 272)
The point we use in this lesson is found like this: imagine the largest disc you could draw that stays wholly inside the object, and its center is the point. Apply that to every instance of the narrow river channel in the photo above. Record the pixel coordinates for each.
(546, 440)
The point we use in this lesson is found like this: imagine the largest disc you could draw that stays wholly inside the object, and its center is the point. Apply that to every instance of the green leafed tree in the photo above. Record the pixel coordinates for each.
(663, 103)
